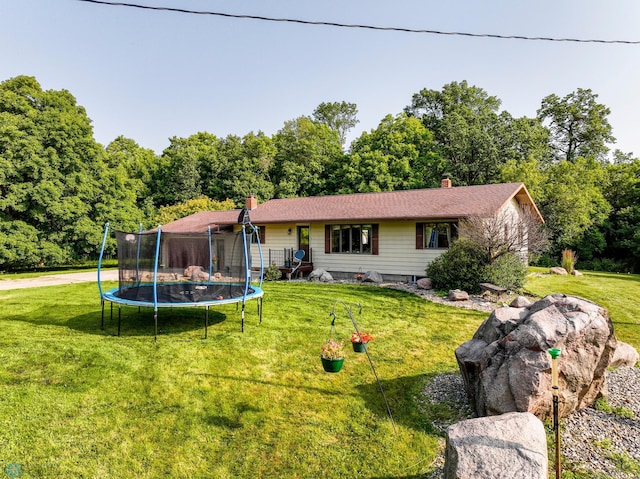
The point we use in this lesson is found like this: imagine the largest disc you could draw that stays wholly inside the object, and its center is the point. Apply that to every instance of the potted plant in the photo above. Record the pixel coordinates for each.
(359, 341)
(332, 355)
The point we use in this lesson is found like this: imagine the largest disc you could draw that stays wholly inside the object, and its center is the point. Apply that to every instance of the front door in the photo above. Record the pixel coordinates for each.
(303, 241)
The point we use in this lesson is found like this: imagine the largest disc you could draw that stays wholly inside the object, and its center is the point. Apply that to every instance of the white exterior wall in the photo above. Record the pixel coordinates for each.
(397, 253)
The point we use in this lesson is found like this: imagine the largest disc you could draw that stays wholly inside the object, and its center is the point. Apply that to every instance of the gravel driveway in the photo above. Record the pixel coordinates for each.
(58, 279)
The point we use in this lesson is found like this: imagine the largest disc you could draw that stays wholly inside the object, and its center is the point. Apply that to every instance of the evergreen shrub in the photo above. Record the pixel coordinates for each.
(272, 273)
(462, 267)
(508, 271)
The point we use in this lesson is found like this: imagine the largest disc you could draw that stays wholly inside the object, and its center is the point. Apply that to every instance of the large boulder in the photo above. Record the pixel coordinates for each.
(458, 295)
(624, 355)
(320, 275)
(424, 283)
(512, 445)
(506, 366)
(372, 277)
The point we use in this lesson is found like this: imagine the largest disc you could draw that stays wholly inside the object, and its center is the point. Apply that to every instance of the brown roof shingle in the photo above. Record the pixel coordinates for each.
(432, 203)
(424, 204)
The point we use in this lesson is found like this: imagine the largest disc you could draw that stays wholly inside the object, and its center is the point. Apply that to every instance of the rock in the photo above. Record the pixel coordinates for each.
(372, 277)
(189, 271)
(558, 270)
(512, 445)
(506, 366)
(624, 355)
(575, 272)
(424, 283)
(458, 295)
(520, 302)
(320, 275)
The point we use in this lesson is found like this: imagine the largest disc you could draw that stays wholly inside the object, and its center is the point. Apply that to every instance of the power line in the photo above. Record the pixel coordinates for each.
(367, 27)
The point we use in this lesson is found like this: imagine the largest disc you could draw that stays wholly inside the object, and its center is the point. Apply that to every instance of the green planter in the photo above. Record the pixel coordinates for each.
(332, 365)
(359, 347)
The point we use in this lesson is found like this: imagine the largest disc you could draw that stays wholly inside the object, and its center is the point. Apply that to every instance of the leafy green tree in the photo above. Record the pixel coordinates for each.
(578, 125)
(55, 188)
(466, 126)
(167, 214)
(397, 155)
(249, 161)
(572, 200)
(340, 117)
(305, 149)
(188, 168)
(140, 164)
(622, 229)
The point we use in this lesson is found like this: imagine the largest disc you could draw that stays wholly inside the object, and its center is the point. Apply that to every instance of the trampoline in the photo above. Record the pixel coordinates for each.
(159, 269)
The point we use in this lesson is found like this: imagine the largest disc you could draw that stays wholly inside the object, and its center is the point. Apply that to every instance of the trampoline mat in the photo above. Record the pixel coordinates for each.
(176, 293)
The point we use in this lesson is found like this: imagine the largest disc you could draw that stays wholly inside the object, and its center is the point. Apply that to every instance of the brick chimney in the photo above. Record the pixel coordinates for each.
(251, 203)
(446, 182)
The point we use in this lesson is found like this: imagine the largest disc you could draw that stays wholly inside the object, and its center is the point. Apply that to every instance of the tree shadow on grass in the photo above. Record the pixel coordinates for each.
(409, 404)
(133, 321)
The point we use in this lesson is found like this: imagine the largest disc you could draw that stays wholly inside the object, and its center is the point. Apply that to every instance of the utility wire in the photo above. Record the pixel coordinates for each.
(368, 27)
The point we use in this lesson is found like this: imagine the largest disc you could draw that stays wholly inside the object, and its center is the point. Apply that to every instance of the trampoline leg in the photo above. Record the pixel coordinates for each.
(243, 317)
(260, 309)
(155, 325)
(102, 321)
(119, 316)
(206, 320)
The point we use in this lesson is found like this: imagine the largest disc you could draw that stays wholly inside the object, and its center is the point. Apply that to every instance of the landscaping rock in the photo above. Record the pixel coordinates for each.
(558, 270)
(372, 277)
(424, 283)
(575, 272)
(624, 355)
(512, 445)
(520, 302)
(506, 366)
(458, 295)
(320, 275)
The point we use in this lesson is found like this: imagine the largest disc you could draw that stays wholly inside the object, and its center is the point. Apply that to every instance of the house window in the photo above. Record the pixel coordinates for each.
(435, 235)
(354, 239)
(261, 235)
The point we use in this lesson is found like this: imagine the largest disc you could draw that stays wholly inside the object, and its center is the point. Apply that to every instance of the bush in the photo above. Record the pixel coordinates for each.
(272, 273)
(508, 271)
(461, 267)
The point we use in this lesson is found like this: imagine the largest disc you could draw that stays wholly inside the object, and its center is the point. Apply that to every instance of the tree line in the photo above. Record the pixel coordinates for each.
(58, 186)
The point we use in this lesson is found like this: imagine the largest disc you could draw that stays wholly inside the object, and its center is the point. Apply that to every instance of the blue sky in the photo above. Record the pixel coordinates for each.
(153, 75)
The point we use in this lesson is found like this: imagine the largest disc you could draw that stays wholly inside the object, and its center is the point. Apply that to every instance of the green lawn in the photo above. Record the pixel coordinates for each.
(76, 401)
(619, 293)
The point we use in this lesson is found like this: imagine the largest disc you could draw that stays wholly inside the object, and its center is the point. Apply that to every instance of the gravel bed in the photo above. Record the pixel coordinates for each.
(592, 440)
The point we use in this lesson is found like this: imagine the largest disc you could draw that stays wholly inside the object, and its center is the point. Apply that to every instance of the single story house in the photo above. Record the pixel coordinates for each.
(395, 233)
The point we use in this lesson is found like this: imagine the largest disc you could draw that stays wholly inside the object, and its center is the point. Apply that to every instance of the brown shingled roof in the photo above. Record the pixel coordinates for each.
(434, 203)
(200, 222)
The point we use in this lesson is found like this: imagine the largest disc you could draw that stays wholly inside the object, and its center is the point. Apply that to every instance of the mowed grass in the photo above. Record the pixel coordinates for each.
(618, 293)
(76, 401)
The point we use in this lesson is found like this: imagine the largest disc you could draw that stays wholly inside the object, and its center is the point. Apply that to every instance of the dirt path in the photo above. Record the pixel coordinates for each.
(58, 279)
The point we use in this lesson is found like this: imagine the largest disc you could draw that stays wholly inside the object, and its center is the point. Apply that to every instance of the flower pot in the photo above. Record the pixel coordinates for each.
(332, 365)
(359, 347)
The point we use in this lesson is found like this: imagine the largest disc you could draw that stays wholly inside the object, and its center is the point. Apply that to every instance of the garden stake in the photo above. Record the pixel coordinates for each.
(349, 311)
(555, 353)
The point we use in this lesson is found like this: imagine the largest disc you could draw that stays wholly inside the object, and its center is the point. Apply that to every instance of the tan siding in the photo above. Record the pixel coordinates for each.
(397, 252)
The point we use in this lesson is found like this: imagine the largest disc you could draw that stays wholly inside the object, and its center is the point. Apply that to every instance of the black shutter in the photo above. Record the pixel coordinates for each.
(419, 235)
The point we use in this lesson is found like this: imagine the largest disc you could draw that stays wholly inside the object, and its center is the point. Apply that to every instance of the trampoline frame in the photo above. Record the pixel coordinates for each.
(250, 291)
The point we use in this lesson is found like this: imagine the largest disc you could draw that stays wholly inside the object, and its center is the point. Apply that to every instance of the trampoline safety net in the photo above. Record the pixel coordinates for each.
(174, 268)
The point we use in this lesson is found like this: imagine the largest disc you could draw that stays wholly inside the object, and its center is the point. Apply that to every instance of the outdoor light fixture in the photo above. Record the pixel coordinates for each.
(555, 354)
(289, 231)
